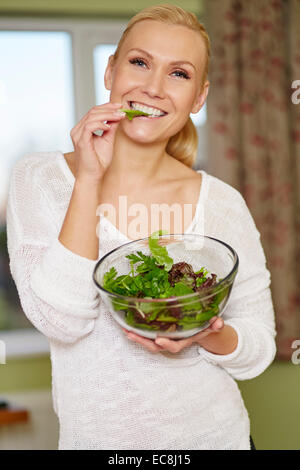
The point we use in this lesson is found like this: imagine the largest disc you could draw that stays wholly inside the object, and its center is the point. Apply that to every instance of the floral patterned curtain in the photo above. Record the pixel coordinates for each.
(254, 134)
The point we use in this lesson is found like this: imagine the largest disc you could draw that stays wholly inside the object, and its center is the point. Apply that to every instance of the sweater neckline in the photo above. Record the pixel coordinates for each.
(200, 202)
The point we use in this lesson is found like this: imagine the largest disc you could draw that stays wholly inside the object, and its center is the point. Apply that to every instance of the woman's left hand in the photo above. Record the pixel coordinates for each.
(175, 346)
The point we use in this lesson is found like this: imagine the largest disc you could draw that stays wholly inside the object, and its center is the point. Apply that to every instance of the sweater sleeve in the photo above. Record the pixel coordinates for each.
(54, 284)
(250, 309)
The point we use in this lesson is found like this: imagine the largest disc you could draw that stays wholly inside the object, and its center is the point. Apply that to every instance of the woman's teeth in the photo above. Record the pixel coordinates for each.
(154, 112)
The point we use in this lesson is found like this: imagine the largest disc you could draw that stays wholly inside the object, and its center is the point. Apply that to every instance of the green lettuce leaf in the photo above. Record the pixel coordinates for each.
(131, 113)
(160, 253)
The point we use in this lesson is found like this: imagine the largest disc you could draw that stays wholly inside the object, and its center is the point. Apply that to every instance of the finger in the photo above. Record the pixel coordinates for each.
(108, 115)
(110, 118)
(147, 343)
(104, 107)
(217, 325)
(111, 104)
(91, 127)
(95, 116)
(173, 346)
(104, 121)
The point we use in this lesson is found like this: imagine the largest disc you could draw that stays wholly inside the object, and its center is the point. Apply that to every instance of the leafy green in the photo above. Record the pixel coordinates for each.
(155, 276)
(160, 253)
(131, 113)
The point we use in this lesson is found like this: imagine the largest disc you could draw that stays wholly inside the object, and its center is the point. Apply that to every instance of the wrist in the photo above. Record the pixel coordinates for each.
(88, 182)
(222, 342)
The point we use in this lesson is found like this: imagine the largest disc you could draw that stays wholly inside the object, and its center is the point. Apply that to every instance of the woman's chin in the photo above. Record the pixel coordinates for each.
(143, 136)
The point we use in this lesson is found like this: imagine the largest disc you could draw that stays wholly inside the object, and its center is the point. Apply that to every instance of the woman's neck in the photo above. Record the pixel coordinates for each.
(137, 164)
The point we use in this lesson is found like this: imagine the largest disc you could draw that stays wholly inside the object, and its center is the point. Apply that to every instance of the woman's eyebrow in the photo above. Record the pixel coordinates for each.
(176, 62)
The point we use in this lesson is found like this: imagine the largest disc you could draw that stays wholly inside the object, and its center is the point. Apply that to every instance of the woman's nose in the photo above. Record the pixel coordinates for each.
(154, 86)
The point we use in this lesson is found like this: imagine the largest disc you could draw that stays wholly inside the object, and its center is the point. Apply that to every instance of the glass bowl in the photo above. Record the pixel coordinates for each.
(173, 317)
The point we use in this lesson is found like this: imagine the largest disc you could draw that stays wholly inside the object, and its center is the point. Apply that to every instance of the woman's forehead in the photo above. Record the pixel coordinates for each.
(170, 42)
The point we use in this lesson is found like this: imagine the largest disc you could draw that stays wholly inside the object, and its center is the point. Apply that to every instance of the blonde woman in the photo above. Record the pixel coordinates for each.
(113, 389)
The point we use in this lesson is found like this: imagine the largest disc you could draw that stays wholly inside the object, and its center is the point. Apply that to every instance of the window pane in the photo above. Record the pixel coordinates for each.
(101, 55)
(199, 119)
(36, 114)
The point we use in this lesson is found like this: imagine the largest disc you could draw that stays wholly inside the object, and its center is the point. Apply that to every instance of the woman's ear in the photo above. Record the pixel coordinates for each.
(108, 73)
(201, 98)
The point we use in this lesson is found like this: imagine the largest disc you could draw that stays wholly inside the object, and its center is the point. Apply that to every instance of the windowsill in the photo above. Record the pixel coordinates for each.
(24, 342)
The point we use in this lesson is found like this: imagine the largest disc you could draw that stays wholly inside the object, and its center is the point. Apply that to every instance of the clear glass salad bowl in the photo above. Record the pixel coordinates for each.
(190, 275)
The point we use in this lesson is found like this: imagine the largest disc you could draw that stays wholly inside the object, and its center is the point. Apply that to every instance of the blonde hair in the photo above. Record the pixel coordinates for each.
(183, 145)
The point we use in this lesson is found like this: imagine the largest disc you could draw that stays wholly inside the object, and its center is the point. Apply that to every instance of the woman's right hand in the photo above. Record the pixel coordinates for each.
(93, 154)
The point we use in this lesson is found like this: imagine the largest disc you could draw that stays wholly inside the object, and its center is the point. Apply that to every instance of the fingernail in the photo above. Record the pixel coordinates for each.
(160, 342)
(120, 113)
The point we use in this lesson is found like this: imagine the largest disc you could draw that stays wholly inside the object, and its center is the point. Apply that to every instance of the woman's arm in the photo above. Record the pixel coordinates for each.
(53, 270)
(54, 284)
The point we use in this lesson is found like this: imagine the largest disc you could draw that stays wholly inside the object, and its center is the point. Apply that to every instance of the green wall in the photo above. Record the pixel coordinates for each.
(27, 373)
(272, 399)
(273, 403)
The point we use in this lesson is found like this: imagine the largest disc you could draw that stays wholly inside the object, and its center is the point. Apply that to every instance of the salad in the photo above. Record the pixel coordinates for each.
(131, 113)
(155, 276)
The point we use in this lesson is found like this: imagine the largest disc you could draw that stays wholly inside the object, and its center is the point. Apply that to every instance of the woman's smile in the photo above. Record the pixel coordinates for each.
(152, 111)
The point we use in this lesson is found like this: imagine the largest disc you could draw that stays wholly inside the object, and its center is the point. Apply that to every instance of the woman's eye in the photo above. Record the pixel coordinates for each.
(181, 74)
(138, 62)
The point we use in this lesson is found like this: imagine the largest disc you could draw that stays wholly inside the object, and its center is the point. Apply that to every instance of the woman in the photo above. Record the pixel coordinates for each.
(108, 392)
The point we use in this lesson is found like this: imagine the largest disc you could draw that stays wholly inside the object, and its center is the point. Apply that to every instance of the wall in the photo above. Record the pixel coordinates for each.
(26, 382)
(272, 401)
(102, 8)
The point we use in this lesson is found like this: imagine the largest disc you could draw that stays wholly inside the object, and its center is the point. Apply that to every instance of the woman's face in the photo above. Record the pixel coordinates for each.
(160, 69)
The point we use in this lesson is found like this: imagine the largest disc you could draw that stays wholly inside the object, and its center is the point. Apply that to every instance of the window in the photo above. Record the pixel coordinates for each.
(101, 55)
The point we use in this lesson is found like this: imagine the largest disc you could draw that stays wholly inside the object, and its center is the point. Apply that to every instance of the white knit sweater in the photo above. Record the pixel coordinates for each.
(109, 392)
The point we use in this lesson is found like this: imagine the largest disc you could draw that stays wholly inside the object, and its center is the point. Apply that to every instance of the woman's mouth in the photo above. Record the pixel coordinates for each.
(153, 112)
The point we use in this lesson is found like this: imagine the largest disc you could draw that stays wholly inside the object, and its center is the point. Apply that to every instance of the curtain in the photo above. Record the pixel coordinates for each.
(254, 134)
